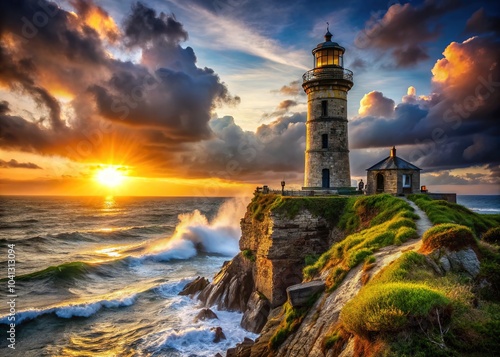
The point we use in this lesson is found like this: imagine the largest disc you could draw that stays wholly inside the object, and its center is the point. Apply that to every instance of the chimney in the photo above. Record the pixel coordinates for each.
(393, 151)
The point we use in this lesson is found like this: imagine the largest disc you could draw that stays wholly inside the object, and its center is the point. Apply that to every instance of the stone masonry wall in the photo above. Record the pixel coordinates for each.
(335, 158)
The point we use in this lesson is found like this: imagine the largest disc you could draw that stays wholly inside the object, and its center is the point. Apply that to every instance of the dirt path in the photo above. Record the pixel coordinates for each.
(308, 340)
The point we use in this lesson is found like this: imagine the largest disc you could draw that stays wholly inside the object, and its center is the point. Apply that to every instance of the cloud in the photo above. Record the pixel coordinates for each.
(144, 27)
(273, 151)
(447, 178)
(13, 164)
(157, 105)
(403, 29)
(480, 23)
(292, 89)
(453, 127)
(375, 104)
(97, 18)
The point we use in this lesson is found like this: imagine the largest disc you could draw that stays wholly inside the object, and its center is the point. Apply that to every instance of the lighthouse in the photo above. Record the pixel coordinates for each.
(327, 149)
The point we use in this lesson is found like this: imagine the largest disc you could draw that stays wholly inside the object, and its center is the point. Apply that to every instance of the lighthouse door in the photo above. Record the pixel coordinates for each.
(325, 178)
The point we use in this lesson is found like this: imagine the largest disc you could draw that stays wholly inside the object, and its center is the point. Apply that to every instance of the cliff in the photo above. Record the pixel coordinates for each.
(278, 234)
(384, 281)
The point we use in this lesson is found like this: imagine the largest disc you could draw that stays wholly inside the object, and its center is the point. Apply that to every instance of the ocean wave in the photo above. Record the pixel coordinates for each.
(73, 271)
(195, 234)
(98, 234)
(196, 338)
(24, 223)
(484, 210)
(71, 310)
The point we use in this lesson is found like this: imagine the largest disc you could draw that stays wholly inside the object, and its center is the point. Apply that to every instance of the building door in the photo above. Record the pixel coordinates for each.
(380, 183)
(325, 178)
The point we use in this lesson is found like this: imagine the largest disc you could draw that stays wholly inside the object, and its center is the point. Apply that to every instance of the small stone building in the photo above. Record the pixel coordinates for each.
(393, 175)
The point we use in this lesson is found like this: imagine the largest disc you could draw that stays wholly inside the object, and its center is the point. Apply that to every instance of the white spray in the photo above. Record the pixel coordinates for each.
(194, 232)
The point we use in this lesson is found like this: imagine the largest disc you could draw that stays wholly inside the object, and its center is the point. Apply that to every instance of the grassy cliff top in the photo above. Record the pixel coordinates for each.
(329, 208)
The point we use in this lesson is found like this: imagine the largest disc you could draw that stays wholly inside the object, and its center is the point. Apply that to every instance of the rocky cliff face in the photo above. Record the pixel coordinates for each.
(274, 246)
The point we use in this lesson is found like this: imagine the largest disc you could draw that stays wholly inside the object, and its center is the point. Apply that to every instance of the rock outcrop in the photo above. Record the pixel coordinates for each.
(195, 286)
(300, 294)
(255, 316)
(464, 260)
(232, 286)
(205, 314)
(219, 334)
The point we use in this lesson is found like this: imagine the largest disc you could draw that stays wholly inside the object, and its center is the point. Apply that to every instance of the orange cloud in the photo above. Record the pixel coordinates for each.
(375, 104)
(98, 19)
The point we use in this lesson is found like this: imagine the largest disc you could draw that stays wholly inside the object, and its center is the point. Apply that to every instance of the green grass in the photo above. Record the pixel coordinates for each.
(448, 235)
(329, 208)
(440, 211)
(247, 253)
(292, 319)
(369, 211)
(391, 307)
(394, 227)
(399, 309)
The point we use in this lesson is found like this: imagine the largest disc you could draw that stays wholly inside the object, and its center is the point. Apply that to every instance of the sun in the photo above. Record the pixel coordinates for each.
(110, 176)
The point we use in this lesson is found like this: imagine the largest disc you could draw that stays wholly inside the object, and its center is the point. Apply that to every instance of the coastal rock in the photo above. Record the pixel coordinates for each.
(300, 294)
(280, 245)
(195, 286)
(464, 260)
(242, 349)
(205, 314)
(219, 334)
(255, 316)
(231, 287)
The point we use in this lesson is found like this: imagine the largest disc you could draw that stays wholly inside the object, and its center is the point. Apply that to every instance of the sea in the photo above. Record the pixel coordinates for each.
(100, 276)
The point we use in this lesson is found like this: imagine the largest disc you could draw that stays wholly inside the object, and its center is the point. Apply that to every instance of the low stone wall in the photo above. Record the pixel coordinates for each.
(450, 197)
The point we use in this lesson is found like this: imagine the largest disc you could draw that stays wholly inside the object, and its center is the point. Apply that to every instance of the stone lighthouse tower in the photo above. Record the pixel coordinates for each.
(327, 150)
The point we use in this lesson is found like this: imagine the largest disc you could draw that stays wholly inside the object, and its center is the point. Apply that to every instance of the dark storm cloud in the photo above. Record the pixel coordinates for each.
(480, 22)
(164, 97)
(407, 57)
(144, 26)
(274, 150)
(13, 164)
(403, 30)
(457, 125)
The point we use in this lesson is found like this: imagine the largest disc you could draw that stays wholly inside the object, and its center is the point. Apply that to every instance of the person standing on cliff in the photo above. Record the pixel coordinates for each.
(361, 185)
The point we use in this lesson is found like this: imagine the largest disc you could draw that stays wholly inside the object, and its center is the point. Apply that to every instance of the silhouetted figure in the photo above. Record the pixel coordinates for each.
(361, 185)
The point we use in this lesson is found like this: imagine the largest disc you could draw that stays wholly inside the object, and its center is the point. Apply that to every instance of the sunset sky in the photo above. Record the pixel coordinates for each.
(204, 98)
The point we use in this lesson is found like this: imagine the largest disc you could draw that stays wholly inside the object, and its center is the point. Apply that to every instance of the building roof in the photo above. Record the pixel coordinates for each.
(393, 162)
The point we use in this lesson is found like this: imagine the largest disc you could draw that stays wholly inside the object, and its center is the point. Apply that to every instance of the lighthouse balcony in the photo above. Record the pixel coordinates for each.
(327, 73)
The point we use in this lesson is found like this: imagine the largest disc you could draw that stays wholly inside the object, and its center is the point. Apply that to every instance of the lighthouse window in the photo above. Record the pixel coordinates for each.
(324, 141)
(324, 108)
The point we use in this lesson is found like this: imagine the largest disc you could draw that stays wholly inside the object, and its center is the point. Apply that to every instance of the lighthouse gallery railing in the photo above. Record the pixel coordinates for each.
(325, 72)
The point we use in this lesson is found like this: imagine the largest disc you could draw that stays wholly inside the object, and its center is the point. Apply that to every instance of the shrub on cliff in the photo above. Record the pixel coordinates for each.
(393, 306)
(492, 235)
(454, 237)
